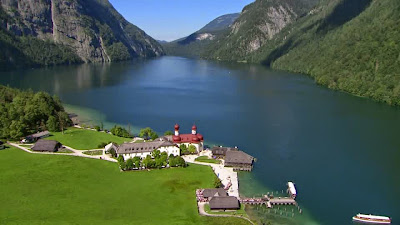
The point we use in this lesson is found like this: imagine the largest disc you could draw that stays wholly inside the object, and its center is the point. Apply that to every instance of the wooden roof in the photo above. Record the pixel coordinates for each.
(238, 157)
(212, 192)
(227, 202)
(46, 145)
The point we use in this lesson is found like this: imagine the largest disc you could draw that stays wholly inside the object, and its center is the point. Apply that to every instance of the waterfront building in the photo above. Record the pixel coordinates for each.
(224, 203)
(214, 192)
(46, 146)
(238, 160)
(220, 152)
(143, 149)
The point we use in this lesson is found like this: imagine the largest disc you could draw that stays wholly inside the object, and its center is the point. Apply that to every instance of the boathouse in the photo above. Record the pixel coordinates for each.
(214, 192)
(239, 160)
(224, 203)
(37, 136)
(46, 146)
(220, 152)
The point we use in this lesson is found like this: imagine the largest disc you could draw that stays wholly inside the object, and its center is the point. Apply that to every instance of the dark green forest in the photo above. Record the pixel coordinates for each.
(347, 45)
(26, 112)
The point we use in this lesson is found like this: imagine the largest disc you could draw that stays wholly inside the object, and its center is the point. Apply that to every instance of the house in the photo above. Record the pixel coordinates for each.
(143, 149)
(224, 203)
(46, 146)
(37, 136)
(220, 152)
(238, 160)
(214, 192)
(110, 146)
(194, 138)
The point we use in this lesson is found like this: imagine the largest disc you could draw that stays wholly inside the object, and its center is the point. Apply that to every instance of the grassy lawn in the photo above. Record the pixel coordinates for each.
(94, 152)
(56, 189)
(205, 159)
(240, 212)
(83, 139)
(64, 150)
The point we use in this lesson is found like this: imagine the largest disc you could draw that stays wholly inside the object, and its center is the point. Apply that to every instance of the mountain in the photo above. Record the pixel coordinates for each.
(347, 45)
(258, 23)
(194, 44)
(51, 32)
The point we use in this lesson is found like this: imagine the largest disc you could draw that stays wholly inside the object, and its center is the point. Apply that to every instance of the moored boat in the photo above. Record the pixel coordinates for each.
(371, 219)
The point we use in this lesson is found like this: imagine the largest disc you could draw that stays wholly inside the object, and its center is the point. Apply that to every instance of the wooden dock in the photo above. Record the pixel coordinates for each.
(269, 201)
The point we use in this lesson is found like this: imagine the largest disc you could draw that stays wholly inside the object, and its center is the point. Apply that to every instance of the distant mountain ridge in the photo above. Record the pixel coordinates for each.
(69, 31)
(194, 44)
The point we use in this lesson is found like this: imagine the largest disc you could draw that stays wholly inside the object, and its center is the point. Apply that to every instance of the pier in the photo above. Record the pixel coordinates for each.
(269, 201)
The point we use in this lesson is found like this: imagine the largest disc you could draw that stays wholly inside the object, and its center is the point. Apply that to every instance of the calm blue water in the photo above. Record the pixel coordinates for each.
(342, 152)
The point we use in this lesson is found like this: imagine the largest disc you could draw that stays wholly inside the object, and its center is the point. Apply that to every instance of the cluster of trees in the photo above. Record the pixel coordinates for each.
(348, 45)
(148, 133)
(25, 112)
(120, 132)
(156, 160)
(187, 150)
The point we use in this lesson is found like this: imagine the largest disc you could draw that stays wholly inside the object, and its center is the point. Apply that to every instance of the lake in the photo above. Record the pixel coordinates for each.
(343, 152)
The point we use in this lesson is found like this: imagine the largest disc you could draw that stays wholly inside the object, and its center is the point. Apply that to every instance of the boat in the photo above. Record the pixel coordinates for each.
(292, 190)
(371, 219)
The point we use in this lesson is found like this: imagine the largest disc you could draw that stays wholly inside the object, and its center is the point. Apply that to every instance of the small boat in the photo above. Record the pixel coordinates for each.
(371, 219)
(292, 190)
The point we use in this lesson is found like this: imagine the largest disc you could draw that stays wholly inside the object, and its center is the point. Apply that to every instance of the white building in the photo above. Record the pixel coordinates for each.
(130, 150)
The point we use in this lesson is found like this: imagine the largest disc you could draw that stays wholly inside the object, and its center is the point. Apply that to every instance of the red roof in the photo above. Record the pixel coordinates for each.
(188, 138)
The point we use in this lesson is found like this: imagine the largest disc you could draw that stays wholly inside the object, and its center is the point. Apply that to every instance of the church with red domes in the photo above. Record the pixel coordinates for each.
(194, 138)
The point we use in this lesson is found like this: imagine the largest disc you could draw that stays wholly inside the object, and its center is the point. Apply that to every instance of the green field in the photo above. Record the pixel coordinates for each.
(205, 159)
(56, 189)
(83, 139)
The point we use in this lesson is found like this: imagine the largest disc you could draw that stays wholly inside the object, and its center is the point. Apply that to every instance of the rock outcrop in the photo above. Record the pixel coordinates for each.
(92, 29)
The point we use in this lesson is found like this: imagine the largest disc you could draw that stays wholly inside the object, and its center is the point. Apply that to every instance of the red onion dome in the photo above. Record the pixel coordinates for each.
(176, 126)
(196, 139)
(194, 127)
(200, 137)
(176, 138)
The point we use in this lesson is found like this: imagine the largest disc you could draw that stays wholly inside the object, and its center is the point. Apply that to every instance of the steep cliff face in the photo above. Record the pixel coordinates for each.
(92, 29)
(258, 23)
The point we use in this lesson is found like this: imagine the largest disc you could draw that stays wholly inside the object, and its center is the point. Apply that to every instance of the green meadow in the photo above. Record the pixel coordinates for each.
(84, 139)
(56, 189)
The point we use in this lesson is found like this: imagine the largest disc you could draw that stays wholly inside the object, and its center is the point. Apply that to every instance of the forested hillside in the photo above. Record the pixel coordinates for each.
(49, 32)
(26, 112)
(349, 45)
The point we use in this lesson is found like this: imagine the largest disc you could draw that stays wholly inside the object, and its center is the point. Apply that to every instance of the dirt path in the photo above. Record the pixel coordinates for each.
(74, 153)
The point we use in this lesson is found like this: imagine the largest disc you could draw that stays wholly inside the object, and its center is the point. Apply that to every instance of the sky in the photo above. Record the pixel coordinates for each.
(172, 19)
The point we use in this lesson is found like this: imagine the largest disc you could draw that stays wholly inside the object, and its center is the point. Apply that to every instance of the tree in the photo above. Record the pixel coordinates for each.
(147, 162)
(148, 133)
(120, 132)
(97, 128)
(180, 161)
(129, 164)
(192, 149)
(113, 152)
(121, 162)
(183, 149)
(217, 182)
(137, 160)
(52, 124)
(101, 126)
(156, 154)
(168, 132)
(63, 120)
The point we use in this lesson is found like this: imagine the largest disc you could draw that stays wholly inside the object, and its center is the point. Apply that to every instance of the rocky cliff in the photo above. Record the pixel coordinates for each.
(258, 23)
(91, 29)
